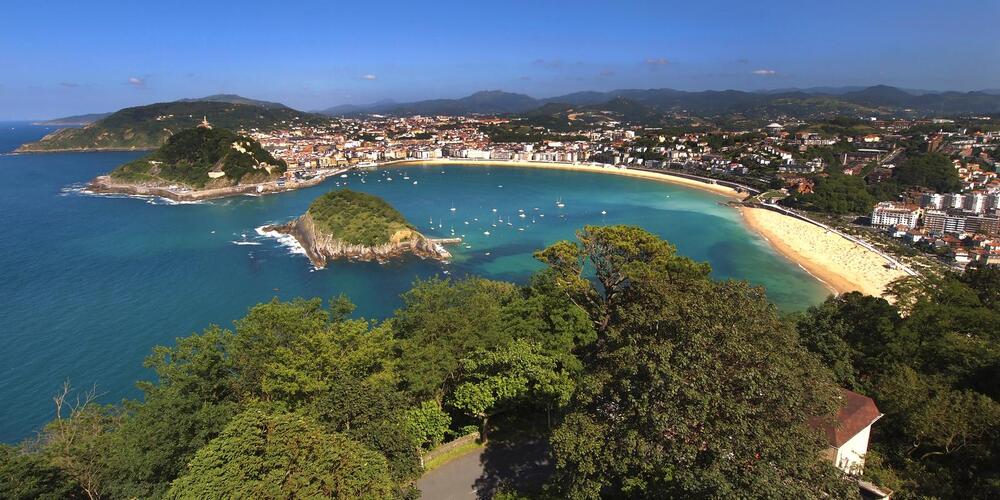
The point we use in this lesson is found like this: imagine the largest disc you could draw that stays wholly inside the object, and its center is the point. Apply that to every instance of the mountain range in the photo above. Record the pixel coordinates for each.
(879, 99)
(148, 127)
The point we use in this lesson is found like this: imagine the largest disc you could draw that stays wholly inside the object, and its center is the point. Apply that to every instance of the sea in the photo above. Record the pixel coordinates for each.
(90, 284)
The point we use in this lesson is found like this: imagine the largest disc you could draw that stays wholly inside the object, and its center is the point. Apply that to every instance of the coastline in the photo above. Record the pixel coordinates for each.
(645, 174)
(104, 185)
(841, 265)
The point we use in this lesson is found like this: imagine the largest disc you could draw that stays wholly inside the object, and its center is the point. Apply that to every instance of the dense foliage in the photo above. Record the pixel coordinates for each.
(148, 127)
(932, 170)
(189, 156)
(357, 218)
(837, 194)
(647, 379)
(932, 363)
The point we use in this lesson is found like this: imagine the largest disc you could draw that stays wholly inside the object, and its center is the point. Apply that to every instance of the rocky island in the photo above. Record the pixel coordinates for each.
(198, 163)
(346, 224)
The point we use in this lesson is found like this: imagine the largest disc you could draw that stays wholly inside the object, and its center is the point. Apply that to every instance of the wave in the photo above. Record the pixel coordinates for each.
(246, 243)
(82, 189)
(286, 240)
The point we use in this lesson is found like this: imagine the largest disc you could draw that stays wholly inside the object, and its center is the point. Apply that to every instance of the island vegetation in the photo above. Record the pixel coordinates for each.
(646, 377)
(355, 225)
(201, 157)
(357, 218)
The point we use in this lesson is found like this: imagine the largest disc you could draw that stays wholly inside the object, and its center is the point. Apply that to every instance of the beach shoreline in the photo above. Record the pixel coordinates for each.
(665, 177)
(842, 265)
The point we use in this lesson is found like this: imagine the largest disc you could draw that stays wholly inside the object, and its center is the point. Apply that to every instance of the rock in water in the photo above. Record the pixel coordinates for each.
(346, 224)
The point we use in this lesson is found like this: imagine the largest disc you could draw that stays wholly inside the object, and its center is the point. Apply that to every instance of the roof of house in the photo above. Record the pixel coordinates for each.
(856, 413)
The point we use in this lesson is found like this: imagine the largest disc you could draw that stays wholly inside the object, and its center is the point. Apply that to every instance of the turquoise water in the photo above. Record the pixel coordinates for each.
(90, 284)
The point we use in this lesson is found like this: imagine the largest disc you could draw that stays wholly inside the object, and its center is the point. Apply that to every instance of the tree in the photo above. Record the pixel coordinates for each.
(428, 423)
(29, 476)
(261, 454)
(688, 381)
(517, 373)
(76, 441)
(931, 362)
(837, 194)
(440, 323)
(931, 170)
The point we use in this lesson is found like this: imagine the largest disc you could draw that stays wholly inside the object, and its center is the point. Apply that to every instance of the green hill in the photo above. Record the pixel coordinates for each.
(358, 218)
(201, 157)
(148, 127)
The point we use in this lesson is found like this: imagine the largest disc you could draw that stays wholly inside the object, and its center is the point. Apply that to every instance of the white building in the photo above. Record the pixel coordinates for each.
(975, 202)
(954, 200)
(848, 434)
(888, 214)
(931, 200)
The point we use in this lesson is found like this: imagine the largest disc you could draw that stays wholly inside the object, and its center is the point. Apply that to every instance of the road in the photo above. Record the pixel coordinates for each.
(523, 466)
(455, 480)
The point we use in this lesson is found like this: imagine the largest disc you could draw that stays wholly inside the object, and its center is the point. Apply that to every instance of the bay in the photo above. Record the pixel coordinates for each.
(89, 284)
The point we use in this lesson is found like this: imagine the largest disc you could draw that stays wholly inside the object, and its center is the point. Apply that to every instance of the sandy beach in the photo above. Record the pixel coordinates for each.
(655, 176)
(841, 264)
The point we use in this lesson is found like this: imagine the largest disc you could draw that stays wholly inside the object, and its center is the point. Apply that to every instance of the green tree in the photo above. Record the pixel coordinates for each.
(282, 455)
(837, 194)
(931, 170)
(513, 374)
(688, 381)
(440, 323)
(29, 476)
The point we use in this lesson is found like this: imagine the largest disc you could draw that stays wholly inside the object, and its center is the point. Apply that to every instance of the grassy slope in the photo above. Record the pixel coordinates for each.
(357, 218)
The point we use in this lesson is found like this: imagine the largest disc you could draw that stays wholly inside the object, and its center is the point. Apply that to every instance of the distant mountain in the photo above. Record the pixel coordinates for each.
(235, 99)
(484, 102)
(148, 127)
(73, 121)
(813, 102)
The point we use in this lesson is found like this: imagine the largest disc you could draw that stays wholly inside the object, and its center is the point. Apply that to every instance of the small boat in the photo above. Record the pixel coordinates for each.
(604, 212)
(487, 233)
(343, 176)
(453, 208)
(520, 229)
(522, 216)
(494, 210)
(414, 182)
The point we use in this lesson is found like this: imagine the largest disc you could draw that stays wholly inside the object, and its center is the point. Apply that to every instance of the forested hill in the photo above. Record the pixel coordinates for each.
(148, 127)
(198, 157)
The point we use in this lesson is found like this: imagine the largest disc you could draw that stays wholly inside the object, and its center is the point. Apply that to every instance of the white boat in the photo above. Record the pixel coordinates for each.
(604, 212)
(414, 182)
(487, 233)
(343, 176)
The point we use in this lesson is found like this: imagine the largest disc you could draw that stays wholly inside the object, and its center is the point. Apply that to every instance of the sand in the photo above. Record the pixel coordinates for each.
(656, 176)
(841, 264)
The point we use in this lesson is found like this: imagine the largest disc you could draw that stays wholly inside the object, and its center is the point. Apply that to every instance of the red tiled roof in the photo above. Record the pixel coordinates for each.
(856, 413)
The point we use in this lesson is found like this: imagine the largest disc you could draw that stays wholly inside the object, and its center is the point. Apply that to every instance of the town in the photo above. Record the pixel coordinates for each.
(860, 173)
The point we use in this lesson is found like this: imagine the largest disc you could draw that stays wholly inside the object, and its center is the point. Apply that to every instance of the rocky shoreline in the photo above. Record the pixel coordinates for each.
(322, 248)
(106, 185)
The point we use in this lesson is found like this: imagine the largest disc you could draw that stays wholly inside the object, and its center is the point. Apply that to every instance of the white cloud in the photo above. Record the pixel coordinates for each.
(765, 72)
(136, 82)
(368, 77)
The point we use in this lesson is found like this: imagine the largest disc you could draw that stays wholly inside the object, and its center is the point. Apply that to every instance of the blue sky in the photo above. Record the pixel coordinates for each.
(66, 57)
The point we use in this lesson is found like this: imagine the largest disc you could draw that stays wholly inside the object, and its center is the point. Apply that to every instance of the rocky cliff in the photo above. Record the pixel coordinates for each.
(322, 247)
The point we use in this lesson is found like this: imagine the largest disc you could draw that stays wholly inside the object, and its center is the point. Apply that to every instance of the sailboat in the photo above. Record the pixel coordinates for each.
(559, 203)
